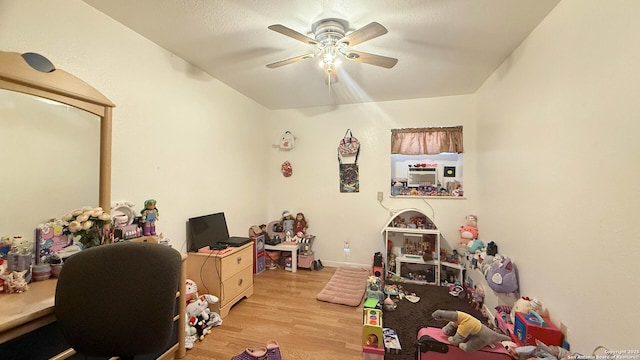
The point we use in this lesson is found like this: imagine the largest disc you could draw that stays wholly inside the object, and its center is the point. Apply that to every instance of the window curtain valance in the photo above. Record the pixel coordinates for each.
(426, 141)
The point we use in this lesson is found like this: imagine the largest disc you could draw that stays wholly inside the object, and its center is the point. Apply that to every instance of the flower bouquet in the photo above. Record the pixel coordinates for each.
(89, 226)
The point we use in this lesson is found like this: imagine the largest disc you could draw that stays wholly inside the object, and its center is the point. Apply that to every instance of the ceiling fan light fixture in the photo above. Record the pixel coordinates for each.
(351, 55)
(329, 36)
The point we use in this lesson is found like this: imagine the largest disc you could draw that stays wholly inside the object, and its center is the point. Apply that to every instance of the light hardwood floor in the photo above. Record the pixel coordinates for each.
(284, 308)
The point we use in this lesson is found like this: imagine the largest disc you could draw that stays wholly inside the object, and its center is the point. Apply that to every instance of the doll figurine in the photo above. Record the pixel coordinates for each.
(150, 215)
(287, 225)
(300, 224)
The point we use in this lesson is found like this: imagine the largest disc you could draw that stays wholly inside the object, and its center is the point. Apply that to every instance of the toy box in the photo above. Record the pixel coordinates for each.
(305, 261)
(433, 344)
(372, 353)
(260, 264)
(529, 327)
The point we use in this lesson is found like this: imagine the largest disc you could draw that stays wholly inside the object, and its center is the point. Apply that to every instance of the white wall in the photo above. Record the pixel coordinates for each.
(313, 189)
(557, 158)
(179, 136)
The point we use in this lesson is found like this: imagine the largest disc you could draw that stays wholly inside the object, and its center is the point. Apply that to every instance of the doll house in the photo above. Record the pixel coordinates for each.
(412, 249)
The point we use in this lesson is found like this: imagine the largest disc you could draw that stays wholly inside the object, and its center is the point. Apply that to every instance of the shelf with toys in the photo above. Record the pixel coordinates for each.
(412, 245)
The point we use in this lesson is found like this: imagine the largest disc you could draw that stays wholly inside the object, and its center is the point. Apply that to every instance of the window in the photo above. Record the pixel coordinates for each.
(426, 161)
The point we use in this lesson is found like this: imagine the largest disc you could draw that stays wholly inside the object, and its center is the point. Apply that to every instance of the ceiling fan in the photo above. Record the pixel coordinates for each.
(330, 40)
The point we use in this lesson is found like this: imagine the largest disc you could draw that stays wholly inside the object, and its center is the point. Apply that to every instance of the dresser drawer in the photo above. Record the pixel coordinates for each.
(235, 262)
(236, 284)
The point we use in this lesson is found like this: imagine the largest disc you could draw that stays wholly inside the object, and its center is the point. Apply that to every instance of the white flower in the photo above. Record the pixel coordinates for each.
(77, 212)
(96, 213)
(104, 217)
(82, 218)
(75, 226)
(87, 225)
(67, 217)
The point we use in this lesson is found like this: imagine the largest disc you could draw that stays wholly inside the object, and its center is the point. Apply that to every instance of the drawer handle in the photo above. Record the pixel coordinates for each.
(239, 259)
(240, 282)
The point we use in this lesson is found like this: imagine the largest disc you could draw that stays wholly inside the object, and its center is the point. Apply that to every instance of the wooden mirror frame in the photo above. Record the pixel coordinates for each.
(17, 75)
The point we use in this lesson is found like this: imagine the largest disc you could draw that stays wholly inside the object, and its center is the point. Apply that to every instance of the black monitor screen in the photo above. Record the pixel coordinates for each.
(207, 230)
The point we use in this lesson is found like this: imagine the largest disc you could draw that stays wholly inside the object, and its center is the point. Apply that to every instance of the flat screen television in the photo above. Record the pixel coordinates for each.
(207, 230)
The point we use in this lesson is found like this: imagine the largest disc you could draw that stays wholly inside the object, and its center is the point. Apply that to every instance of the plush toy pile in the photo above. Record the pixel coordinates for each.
(199, 318)
(467, 332)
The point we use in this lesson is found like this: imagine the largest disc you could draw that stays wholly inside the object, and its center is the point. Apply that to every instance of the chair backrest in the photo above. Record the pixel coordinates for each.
(118, 299)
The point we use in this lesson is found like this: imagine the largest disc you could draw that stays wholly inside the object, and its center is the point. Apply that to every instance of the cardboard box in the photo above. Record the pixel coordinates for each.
(391, 341)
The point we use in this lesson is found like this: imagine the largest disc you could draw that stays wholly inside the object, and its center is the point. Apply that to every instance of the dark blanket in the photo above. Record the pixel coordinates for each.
(408, 317)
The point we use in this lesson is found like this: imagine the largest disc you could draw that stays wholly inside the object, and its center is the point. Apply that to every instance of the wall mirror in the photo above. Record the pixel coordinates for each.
(55, 134)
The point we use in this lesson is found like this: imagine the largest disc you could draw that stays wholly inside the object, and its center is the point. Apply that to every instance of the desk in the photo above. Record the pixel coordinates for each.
(28, 311)
(293, 247)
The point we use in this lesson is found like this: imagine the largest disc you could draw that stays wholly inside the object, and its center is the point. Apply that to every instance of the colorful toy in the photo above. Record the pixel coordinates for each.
(467, 332)
(374, 289)
(372, 328)
(150, 215)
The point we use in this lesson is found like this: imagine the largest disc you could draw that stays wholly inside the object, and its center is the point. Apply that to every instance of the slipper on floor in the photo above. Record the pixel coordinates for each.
(252, 354)
(273, 350)
(414, 299)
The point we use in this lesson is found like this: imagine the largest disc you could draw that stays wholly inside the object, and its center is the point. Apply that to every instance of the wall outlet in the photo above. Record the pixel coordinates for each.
(380, 195)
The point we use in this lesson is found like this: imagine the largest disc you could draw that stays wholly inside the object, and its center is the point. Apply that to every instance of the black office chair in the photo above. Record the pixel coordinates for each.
(118, 299)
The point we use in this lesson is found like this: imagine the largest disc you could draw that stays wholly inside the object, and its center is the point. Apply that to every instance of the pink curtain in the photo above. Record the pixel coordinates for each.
(426, 141)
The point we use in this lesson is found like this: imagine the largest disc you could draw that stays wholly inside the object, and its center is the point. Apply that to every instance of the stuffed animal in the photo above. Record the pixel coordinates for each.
(477, 299)
(200, 306)
(466, 331)
(468, 231)
(474, 245)
(191, 294)
(191, 291)
(199, 316)
(524, 305)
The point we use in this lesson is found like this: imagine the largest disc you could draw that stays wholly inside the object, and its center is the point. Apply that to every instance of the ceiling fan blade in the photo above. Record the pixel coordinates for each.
(368, 32)
(292, 34)
(290, 61)
(330, 75)
(377, 60)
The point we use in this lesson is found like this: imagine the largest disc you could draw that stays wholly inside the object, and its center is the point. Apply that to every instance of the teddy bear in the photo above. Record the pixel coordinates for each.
(467, 332)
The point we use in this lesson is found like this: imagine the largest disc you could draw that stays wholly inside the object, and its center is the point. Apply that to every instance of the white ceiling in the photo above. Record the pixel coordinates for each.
(444, 47)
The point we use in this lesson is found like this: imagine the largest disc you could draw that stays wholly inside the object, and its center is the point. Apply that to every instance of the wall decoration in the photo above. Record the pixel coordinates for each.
(286, 169)
(349, 178)
(449, 171)
(287, 141)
